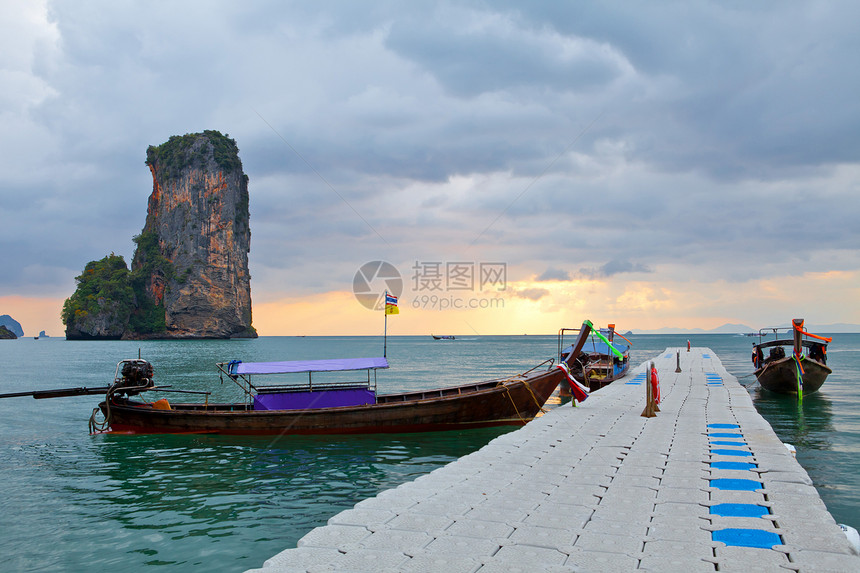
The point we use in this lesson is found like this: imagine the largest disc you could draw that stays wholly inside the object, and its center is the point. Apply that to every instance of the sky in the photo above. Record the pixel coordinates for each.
(520, 166)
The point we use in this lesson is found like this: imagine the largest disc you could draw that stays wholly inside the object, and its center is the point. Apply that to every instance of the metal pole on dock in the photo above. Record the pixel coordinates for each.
(385, 329)
(648, 412)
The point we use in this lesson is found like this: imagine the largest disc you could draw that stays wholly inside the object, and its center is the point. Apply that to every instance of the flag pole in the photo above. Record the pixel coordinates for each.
(385, 331)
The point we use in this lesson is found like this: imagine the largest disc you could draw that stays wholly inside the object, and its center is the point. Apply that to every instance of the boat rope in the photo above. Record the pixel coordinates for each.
(95, 425)
(534, 397)
(100, 426)
(514, 404)
(504, 384)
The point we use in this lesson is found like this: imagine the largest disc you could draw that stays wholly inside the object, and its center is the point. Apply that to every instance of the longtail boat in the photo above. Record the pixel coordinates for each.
(800, 371)
(341, 408)
(319, 406)
(602, 360)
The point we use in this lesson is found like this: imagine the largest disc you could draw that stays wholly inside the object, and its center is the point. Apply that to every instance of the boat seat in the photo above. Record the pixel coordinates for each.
(283, 389)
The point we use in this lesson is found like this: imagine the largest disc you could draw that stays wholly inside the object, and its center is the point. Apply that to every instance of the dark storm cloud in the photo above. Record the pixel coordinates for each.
(716, 136)
(487, 52)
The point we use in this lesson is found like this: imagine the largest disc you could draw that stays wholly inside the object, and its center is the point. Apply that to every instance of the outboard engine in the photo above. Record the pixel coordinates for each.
(132, 377)
(135, 376)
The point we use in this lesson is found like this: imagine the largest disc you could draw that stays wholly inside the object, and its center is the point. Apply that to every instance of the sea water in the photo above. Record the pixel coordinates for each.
(70, 501)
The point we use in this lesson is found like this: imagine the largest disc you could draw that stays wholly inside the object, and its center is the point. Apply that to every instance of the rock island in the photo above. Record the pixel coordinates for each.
(189, 275)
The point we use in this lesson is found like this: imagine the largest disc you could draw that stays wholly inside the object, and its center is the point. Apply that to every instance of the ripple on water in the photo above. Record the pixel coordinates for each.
(74, 502)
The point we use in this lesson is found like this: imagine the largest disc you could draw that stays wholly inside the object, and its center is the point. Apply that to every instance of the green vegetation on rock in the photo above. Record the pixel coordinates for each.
(109, 294)
(103, 300)
(148, 316)
(181, 151)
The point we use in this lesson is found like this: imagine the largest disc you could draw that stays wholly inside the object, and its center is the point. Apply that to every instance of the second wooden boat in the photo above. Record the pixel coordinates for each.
(801, 370)
(603, 359)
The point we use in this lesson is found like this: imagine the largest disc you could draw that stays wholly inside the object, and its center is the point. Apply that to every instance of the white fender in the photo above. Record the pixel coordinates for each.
(852, 535)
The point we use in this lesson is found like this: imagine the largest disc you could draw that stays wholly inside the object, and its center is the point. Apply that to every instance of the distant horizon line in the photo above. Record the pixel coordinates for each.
(461, 336)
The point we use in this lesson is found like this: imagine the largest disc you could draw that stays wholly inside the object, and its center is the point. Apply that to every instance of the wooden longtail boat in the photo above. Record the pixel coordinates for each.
(330, 408)
(801, 371)
(602, 360)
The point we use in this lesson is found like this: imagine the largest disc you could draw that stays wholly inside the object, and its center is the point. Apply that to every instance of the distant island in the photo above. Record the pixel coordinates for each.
(189, 275)
(6, 334)
(11, 325)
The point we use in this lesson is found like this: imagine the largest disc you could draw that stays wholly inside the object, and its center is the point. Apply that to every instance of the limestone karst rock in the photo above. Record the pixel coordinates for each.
(189, 276)
(198, 216)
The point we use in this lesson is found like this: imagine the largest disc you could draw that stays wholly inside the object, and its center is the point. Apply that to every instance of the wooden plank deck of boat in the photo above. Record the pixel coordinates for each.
(705, 485)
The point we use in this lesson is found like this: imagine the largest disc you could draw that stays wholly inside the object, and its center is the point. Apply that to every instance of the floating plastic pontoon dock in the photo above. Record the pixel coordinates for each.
(705, 485)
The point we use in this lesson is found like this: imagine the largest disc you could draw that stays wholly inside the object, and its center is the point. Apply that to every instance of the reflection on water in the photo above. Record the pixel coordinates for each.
(807, 424)
(182, 501)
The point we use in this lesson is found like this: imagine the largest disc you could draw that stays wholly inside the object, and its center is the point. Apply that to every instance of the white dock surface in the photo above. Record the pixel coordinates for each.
(705, 485)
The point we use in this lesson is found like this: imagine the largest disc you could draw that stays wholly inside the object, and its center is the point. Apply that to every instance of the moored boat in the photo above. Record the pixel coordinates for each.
(315, 407)
(800, 371)
(603, 359)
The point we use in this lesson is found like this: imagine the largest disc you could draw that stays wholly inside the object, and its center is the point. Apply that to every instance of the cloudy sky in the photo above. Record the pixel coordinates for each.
(651, 164)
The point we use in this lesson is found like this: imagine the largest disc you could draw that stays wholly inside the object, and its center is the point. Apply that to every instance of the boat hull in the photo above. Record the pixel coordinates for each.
(493, 403)
(781, 375)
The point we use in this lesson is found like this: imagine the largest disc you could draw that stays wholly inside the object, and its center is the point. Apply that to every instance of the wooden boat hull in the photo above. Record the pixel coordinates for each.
(781, 375)
(493, 403)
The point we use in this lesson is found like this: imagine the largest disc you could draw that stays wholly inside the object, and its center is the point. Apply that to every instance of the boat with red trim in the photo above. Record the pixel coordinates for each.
(602, 360)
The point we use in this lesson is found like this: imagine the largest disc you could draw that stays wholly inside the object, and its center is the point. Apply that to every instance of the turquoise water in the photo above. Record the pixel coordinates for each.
(75, 502)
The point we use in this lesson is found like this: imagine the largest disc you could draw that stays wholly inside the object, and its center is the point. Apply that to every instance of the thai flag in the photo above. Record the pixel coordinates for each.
(580, 392)
(391, 304)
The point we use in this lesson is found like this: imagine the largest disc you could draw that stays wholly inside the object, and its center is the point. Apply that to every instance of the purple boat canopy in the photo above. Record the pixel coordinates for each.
(237, 367)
